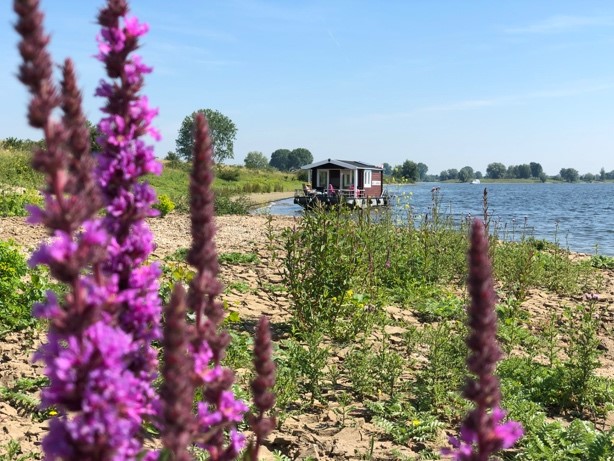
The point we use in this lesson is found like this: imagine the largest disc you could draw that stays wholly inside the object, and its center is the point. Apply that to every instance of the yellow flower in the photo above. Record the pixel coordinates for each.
(416, 422)
(52, 412)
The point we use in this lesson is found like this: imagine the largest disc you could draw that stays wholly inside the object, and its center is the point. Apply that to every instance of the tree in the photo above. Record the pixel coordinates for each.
(478, 175)
(569, 174)
(255, 160)
(443, 176)
(279, 159)
(387, 169)
(523, 171)
(172, 157)
(422, 169)
(536, 169)
(512, 172)
(495, 170)
(452, 173)
(409, 171)
(466, 174)
(299, 157)
(602, 174)
(223, 133)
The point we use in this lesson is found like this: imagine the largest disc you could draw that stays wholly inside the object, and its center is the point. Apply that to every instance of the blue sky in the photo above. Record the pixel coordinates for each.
(446, 83)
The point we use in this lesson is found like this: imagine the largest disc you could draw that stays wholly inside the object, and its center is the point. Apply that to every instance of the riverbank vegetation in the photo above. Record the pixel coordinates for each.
(19, 183)
(369, 326)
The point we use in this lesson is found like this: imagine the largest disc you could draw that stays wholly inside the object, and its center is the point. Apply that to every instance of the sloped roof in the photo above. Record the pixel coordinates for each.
(348, 164)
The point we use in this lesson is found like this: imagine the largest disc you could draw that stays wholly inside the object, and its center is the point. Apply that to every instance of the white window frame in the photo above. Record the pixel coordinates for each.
(327, 178)
(367, 178)
(346, 174)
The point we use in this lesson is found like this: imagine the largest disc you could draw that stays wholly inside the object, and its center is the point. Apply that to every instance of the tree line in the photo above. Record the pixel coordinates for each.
(224, 131)
(410, 171)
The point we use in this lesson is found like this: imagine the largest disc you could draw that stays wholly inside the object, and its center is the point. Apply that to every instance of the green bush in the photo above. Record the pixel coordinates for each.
(164, 205)
(14, 203)
(16, 144)
(20, 288)
(302, 175)
(228, 174)
(16, 170)
(226, 204)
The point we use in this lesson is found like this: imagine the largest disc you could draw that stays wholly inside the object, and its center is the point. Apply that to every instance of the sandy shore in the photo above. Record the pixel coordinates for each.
(263, 199)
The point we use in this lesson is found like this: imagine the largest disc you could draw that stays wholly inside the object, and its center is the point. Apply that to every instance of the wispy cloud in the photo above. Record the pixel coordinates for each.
(281, 12)
(333, 38)
(198, 32)
(463, 105)
(562, 91)
(561, 24)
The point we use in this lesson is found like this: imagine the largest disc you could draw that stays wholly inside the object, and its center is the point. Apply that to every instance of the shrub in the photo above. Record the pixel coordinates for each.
(16, 170)
(14, 203)
(165, 205)
(20, 287)
(228, 173)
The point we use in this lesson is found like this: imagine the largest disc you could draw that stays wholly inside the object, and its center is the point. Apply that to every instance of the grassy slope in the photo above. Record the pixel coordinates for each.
(16, 171)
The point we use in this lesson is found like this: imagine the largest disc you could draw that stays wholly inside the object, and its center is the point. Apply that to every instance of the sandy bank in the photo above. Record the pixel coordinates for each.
(264, 198)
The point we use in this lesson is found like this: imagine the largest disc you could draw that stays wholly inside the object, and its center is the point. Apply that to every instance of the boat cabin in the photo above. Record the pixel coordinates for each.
(352, 183)
(349, 178)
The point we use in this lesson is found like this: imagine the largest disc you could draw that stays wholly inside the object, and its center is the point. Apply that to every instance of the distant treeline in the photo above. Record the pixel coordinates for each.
(412, 172)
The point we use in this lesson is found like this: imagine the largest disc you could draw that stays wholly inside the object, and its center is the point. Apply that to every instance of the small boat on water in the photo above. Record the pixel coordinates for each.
(475, 181)
(342, 182)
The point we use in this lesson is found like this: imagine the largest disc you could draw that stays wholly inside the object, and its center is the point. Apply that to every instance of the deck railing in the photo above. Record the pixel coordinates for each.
(349, 193)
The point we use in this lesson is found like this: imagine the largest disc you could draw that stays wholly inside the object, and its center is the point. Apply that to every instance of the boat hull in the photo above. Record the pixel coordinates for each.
(327, 201)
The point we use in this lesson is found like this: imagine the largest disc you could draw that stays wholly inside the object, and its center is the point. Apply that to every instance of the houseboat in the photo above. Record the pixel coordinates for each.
(342, 182)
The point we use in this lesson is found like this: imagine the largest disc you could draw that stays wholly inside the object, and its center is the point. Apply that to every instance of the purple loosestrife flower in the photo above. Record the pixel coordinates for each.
(177, 392)
(124, 159)
(264, 399)
(99, 375)
(482, 433)
(89, 376)
(220, 410)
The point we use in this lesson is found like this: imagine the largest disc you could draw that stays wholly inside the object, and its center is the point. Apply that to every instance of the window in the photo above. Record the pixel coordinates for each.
(346, 179)
(367, 178)
(322, 178)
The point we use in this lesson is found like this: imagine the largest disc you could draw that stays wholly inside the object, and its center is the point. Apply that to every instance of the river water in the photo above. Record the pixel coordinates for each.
(579, 216)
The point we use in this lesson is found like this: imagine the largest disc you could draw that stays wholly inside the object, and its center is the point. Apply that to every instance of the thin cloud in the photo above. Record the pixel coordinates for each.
(561, 24)
(199, 32)
(564, 91)
(463, 105)
(333, 38)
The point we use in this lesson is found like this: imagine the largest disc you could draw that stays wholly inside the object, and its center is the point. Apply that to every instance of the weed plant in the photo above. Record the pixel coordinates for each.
(20, 288)
(332, 257)
(12, 452)
(16, 169)
(164, 205)
(13, 203)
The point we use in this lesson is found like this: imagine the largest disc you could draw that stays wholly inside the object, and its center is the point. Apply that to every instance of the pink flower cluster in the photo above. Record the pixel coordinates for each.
(482, 433)
(99, 355)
